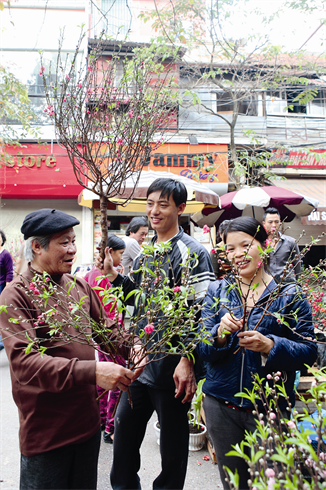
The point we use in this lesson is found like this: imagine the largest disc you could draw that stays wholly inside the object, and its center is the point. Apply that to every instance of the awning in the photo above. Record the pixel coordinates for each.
(198, 194)
(86, 198)
(315, 188)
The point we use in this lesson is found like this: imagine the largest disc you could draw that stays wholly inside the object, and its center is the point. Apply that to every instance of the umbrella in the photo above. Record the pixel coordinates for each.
(252, 201)
(197, 194)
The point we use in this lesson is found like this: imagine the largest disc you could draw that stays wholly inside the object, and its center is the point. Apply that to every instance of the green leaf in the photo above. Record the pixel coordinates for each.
(29, 348)
(42, 350)
(13, 320)
(234, 477)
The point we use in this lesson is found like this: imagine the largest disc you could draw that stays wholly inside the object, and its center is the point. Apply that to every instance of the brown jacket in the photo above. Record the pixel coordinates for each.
(55, 392)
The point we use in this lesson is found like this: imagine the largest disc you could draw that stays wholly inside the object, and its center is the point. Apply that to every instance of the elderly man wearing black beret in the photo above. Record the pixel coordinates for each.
(55, 392)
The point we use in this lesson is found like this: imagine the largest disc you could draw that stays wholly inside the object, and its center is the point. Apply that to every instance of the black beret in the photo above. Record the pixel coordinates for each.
(46, 222)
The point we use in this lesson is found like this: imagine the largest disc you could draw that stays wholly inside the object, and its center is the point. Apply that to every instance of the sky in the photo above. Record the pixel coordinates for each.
(35, 29)
(290, 28)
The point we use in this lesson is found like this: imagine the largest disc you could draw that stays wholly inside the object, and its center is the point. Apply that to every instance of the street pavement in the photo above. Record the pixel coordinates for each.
(201, 474)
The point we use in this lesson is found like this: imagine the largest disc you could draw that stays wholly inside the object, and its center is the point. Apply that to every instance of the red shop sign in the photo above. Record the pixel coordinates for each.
(37, 171)
(312, 158)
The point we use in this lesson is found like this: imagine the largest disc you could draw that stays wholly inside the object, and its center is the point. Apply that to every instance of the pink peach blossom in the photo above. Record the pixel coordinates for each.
(270, 484)
(149, 328)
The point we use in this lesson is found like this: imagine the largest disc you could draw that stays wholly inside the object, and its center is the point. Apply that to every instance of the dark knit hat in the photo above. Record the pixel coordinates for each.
(46, 222)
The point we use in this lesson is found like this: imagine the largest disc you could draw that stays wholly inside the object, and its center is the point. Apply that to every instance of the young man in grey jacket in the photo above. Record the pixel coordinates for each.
(168, 384)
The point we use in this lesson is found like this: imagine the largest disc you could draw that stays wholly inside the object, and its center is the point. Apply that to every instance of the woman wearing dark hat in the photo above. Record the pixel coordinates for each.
(55, 392)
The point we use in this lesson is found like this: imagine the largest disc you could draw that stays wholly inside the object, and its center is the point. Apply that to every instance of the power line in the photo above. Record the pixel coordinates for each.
(312, 34)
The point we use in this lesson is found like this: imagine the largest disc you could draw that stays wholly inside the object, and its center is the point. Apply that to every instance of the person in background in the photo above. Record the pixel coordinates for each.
(219, 260)
(115, 246)
(221, 229)
(6, 269)
(285, 247)
(258, 343)
(6, 264)
(21, 264)
(136, 233)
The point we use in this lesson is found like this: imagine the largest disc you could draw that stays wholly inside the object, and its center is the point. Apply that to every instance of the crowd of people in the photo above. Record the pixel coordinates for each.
(56, 392)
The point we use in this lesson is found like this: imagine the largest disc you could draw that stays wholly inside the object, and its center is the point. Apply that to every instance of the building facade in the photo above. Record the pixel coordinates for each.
(35, 175)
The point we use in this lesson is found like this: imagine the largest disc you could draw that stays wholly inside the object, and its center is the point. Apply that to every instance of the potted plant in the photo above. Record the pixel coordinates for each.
(197, 430)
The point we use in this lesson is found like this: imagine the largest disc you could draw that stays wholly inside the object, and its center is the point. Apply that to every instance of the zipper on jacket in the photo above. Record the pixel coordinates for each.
(243, 356)
(241, 376)
(247, 321)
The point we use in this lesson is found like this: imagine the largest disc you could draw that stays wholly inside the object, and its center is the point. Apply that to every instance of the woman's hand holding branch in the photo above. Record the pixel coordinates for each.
(255, 341)
(228, 325)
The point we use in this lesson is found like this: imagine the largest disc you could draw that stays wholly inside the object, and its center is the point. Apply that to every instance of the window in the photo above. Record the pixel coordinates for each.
(26, 67)
(116, 17)
(294, 106)
(317, 106)
(283, 102)
(224, 104)
(276, 102)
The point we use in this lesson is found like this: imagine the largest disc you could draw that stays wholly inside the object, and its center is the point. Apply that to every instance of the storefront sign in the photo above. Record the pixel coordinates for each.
(317, 217)
(313, 159)
(203, 162)
(37, 171)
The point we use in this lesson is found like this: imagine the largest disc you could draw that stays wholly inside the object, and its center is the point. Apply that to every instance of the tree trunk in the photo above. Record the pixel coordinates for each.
(104, 224)
(233, 151)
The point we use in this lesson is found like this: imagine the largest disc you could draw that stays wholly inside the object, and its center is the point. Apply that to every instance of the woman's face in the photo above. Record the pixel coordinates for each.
(116, 256)
(242, 251)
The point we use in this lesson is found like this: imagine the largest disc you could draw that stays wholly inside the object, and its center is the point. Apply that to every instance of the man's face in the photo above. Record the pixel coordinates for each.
(272, 223)
(140, 235)
(59, 257)
(163, 213)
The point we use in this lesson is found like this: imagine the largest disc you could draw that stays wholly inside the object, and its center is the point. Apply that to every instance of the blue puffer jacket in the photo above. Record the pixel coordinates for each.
(229, 373)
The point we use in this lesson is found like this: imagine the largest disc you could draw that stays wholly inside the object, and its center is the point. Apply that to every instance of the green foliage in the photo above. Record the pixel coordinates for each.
(164, 322)
(236, 69)
(305, 5)
(14, 110)
(111, 114)
(313, 284)
(198, 401)
(285, 451)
